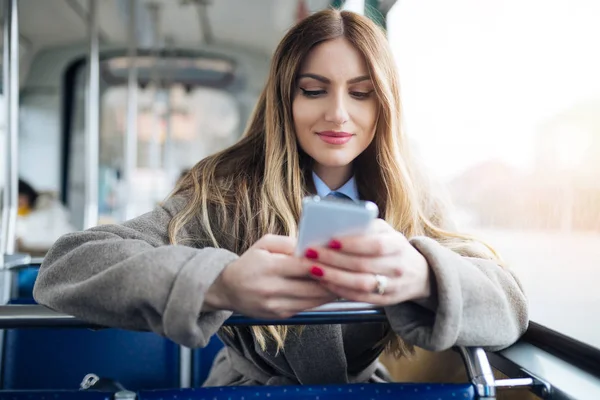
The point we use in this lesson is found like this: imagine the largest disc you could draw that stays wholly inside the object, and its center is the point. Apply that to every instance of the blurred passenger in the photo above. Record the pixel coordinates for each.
(327, 120)
(41, 220)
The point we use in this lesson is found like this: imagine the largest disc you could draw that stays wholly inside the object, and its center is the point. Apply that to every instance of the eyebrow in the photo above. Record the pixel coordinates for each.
(321, 78)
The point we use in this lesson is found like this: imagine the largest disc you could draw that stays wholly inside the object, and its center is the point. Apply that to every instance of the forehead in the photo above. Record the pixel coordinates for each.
(335, 58)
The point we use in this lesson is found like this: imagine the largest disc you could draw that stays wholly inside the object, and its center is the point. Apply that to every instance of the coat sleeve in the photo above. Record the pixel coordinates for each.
(128, 276)
(475, 302)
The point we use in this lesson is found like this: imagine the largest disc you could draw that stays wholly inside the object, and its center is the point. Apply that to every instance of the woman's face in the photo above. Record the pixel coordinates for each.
(334, 108)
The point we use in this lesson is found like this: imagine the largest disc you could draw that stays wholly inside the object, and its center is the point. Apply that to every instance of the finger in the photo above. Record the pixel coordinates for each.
(387, 265)
(291, 267)
(360, 282)
(297, 306)
(379, 226)
(303, 289)
(381, 244)
(277, 244)
(287, 266)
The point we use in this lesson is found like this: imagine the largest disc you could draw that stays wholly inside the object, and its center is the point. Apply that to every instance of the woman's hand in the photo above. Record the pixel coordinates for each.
(267, 281)
(360, 268)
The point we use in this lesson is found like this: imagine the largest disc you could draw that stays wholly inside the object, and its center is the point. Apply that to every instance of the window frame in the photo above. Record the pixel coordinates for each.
(69, 87)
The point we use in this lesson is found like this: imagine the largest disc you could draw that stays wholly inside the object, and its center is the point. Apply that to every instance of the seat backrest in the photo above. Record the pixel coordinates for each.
(26, 341)
(54, 395)
(202, 360)
(24, 283)
(60, 358)
(384, 391)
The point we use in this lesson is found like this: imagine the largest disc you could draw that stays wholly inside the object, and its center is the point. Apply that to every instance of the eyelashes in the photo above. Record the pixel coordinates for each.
(313, 94)
(361, 95)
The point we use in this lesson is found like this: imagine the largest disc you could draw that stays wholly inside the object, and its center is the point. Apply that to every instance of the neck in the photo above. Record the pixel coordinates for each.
(334, 177)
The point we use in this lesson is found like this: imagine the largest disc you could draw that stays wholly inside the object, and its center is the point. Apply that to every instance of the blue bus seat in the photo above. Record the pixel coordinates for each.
(375, 391)
(60, 358)
(202, 360)
(25, 280)
(144, 371)
(54, 395)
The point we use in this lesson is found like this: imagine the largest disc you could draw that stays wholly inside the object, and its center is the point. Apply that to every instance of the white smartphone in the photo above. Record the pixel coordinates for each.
(324, 219)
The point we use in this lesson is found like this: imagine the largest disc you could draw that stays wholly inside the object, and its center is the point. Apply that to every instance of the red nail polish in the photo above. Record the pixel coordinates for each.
(316, 271)
(312, 254)
(335, 244)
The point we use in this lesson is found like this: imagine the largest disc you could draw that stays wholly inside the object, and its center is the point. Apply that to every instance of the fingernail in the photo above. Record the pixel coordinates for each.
(316, 271)
(310, 253)
(335, 244)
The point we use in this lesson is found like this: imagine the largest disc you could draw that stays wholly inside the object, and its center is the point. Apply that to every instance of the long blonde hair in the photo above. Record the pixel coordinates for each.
(256, 186)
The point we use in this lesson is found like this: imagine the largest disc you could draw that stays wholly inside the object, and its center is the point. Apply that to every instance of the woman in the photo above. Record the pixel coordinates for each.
(328, 118)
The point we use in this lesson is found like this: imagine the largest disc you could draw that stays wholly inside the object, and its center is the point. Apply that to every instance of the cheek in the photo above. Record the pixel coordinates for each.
(366, 117)
(304, 117)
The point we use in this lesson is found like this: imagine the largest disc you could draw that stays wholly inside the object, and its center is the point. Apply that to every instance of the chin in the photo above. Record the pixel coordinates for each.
(334, 162)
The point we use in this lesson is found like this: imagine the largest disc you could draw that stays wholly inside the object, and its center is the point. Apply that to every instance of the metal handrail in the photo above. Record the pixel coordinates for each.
(479, 371)
(36, 316)
(15, 316)
(476, 361)
(481, 375)
(19, 261)
(36, 261)
(16, 261)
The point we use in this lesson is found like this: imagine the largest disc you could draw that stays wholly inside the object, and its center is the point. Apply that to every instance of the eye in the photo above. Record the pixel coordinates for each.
(312, 93)
(361, 95)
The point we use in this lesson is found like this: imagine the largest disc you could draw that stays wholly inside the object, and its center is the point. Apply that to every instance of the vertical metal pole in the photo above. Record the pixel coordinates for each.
(130, 145)
(11, 182)
(92, 121)
(185, 367)
(168, 145)
(167, 160)
(11, 101)
(7, 159)
(154, 152)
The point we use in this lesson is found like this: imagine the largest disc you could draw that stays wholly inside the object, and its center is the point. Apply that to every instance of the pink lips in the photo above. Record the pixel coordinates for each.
(337, 138)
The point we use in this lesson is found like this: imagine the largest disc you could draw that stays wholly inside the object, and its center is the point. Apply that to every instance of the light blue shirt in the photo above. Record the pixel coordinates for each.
(349, 188)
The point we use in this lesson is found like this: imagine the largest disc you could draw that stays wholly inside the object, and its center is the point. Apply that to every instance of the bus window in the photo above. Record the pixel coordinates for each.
(176, 128)
(502, 100)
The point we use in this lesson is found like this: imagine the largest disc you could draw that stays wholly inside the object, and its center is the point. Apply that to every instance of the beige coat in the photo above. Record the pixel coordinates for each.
(128, 276)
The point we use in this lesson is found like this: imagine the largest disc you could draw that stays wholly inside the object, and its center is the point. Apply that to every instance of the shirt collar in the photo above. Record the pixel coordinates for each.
(349, 188)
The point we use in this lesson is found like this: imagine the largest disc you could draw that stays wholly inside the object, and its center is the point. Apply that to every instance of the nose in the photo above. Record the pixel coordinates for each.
(337, 112)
